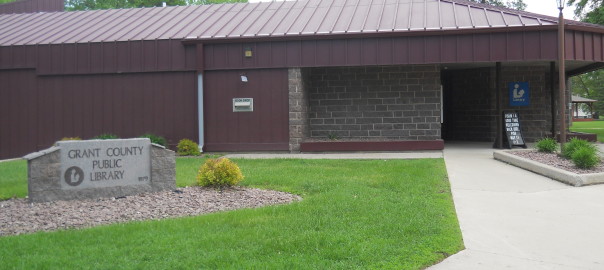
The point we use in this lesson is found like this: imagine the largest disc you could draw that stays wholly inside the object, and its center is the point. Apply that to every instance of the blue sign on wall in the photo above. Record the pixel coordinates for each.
(520, 93)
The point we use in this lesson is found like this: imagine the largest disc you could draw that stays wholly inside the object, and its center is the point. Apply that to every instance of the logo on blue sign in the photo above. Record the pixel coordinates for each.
(519, 93)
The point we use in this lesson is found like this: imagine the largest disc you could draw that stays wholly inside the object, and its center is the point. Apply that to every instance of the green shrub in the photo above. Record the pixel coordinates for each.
(586, 157)
(155, 139)
(219, 172)
(573, 145)
(105, 136)
(71, 139)
(187, 147)
(68, 139)
(547, 145)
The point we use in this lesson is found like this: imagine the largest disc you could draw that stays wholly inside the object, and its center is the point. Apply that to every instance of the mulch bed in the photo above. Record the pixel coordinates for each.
(557, 161)
(18, 216)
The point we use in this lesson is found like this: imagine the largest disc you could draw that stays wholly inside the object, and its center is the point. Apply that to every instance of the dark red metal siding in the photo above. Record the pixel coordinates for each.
(16, 91)
(93, 58)
(31, 6)
(35, 111)
(266, 128)
(463, 48)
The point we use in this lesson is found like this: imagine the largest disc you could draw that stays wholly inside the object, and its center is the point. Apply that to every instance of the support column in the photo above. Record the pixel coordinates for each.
(561, 80)
(499, 143)
(552, 81)
(298, 109)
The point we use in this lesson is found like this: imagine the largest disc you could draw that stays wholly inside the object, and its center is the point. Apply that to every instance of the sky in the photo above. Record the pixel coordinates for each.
(548, 7)
(545, 7)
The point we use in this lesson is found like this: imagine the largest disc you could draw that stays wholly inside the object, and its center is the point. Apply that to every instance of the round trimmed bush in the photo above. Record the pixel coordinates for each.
(219, 172)
(155, 139)
(585, 157)
(187, 147)
(547, 145)
(573, 145)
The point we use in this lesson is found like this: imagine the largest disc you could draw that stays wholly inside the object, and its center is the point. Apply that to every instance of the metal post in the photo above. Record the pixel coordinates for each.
(499, 111)
(562, 78)
(552, 81)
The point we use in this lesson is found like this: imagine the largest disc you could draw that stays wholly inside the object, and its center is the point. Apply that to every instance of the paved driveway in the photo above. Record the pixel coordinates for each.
(514, 219)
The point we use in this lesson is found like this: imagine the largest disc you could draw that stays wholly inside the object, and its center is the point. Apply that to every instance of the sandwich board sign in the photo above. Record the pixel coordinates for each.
(513, 130)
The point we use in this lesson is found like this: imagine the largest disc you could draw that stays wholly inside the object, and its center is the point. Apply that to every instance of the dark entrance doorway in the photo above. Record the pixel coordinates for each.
(468, 108)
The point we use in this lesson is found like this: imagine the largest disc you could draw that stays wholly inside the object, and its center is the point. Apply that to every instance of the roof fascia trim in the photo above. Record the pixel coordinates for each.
(328, 36)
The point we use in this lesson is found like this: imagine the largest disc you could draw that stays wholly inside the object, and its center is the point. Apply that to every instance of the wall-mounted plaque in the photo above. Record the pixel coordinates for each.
(243, 105)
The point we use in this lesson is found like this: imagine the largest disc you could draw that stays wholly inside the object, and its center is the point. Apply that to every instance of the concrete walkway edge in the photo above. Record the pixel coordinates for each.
(511, 218)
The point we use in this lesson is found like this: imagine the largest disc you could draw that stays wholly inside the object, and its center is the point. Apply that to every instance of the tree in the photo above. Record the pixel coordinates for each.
(589, 85)
(591, 11)
(71, 5)
(514, 4)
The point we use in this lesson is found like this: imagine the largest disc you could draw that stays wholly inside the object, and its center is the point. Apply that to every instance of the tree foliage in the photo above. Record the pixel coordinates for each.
(514, 4)
(591, 11)
(71, 5)
(589, 85)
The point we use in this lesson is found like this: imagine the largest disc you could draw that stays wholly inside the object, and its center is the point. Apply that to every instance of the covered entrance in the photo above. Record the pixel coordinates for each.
(472, 93)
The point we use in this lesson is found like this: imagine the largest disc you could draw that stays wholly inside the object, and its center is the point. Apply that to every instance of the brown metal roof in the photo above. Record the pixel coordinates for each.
(578, 99)
(265, 19)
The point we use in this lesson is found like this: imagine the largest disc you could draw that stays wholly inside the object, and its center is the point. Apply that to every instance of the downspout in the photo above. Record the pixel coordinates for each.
(200, 73)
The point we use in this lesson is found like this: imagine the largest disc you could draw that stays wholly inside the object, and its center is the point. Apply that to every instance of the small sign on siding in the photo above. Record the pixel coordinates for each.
(243, 105)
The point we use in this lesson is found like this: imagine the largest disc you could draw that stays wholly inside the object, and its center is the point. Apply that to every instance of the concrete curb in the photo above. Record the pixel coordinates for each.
(570, 178)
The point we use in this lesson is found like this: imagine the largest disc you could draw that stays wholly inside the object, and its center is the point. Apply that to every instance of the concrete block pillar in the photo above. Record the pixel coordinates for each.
(298, 108)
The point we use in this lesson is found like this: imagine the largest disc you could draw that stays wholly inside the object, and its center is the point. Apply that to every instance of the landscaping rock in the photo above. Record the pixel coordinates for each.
(555, 160)
(20, 216)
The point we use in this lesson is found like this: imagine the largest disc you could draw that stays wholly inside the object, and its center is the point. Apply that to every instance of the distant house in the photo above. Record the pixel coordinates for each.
(285, 76)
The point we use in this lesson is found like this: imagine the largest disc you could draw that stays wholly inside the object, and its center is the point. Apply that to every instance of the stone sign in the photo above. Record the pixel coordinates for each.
(99, 168)
(105, 163)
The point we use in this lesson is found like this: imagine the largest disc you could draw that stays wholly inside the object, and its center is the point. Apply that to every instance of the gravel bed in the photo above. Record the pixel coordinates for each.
(555, 160)
(18, 216)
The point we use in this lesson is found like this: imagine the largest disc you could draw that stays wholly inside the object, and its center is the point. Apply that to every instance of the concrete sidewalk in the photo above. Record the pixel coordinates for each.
(514, 219)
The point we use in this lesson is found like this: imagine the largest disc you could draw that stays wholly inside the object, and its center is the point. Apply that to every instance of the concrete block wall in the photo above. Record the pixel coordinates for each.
(375, 103)
(298, 107)
(535, 118)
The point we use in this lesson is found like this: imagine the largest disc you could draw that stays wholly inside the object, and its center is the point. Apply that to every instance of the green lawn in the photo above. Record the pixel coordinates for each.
(13, 179)
(594, 127)
(377, 214)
